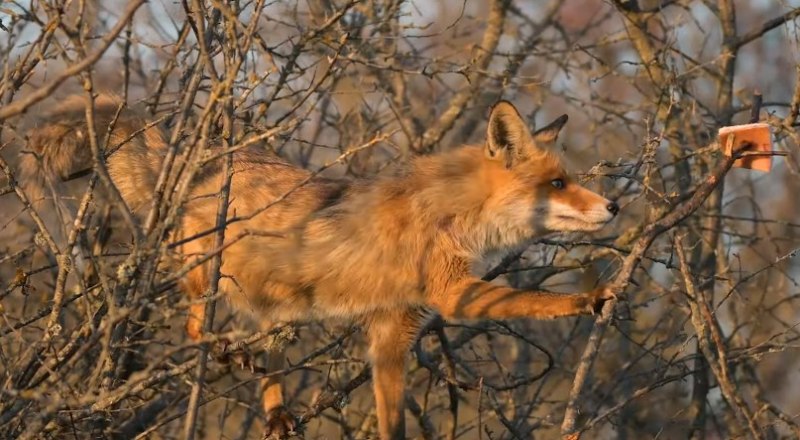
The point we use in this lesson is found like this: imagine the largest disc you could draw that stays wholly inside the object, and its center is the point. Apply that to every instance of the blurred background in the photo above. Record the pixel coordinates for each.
(92, 346)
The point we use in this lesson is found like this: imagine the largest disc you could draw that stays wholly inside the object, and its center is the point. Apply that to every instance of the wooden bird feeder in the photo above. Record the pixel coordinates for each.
(754, 140)
(749, 138)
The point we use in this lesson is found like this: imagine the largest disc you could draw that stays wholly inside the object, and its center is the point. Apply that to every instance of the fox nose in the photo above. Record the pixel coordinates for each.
(613, 208)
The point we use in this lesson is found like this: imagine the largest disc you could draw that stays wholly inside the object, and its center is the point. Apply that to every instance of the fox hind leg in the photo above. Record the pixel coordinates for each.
(194, 286)
(391, 335)
(279, 420)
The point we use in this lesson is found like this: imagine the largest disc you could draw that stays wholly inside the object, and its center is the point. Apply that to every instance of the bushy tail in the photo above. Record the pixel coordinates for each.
(58, 149)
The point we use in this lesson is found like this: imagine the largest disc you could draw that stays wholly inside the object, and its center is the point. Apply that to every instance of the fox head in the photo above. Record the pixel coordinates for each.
(539, 196)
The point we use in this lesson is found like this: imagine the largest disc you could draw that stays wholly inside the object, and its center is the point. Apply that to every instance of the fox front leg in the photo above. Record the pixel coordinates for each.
(475, 298)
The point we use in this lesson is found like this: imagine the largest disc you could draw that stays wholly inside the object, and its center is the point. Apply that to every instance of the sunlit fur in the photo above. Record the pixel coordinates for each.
(385, 251)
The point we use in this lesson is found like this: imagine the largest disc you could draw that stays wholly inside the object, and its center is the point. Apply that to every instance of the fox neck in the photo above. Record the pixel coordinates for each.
(467, 198)
(491, 231)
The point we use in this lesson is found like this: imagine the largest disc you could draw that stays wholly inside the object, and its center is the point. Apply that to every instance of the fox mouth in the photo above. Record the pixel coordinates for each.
(584, 220)
(575, 224)
(566, 218)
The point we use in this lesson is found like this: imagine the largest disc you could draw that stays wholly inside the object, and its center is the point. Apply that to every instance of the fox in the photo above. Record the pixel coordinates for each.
(389, 252)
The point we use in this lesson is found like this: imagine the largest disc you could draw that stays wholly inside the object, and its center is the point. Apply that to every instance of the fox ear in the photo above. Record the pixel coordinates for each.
(507, 137)
(549, 133)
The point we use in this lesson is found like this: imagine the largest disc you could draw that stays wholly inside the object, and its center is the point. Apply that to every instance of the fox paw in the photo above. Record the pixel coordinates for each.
(280, 424)
(598, 298)
(226, 352)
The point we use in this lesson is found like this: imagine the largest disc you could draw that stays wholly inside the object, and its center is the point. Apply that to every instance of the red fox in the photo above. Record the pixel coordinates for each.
(388, 252)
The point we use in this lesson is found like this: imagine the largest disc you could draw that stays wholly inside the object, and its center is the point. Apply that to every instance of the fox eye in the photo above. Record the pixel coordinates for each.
(558, 183)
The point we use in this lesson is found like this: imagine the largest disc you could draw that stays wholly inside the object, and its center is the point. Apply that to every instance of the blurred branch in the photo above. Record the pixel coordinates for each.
(708, 330)
(766, 27)
(43, 92)
(633, 6)
(483, 56)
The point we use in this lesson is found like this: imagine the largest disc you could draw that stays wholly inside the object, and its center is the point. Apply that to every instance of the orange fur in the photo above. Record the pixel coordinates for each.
(383, 251)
